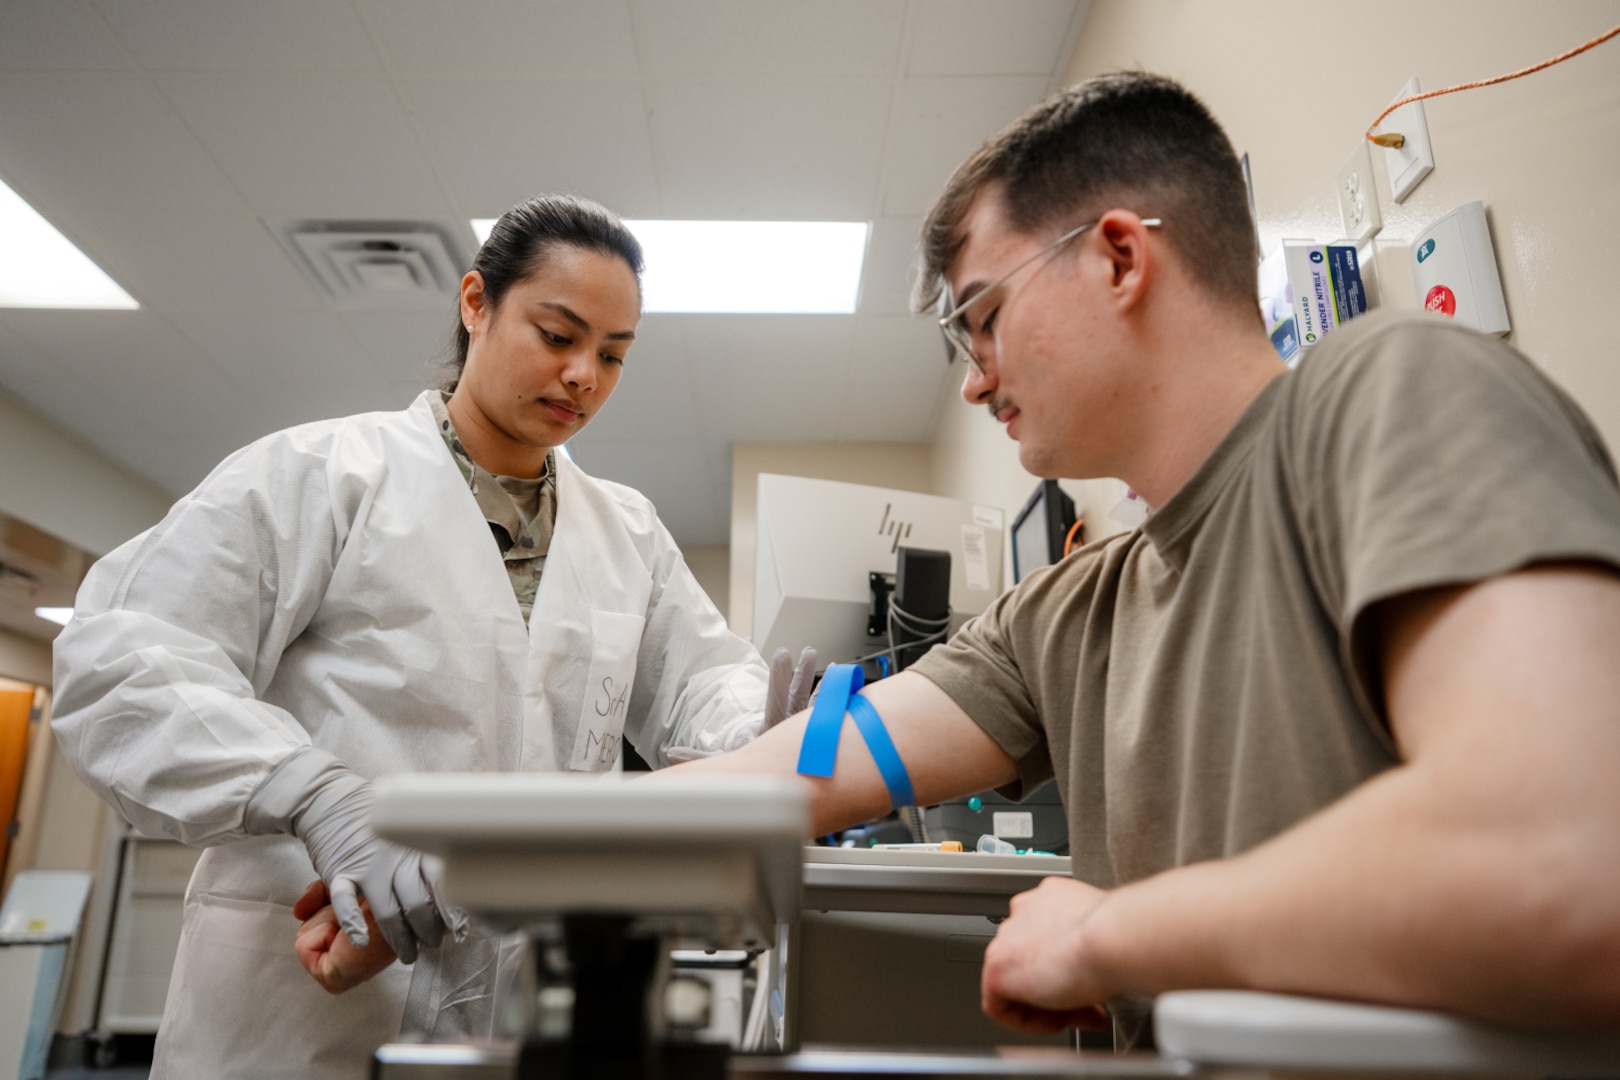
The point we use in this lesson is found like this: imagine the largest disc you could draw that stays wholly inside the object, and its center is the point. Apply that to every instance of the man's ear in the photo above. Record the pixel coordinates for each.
(1123, 240)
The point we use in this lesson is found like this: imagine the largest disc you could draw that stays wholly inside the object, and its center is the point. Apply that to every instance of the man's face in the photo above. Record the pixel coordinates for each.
(1048, 377)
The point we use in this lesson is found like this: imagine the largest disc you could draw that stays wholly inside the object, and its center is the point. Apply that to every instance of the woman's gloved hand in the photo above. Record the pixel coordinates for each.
(789, 688)
(318, 799)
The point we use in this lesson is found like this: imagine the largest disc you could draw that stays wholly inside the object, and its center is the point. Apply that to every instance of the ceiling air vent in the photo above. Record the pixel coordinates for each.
(371, 264)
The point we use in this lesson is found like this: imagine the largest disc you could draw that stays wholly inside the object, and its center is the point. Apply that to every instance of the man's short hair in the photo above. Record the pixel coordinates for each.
(1130, 140)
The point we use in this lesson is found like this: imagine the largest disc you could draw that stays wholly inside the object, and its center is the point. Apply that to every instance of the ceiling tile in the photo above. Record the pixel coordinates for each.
(238, 35)
(83, 410)
(265, 350)
(21, 359)
(644, 410)
(403, 394)
(937, 124)
(990, 37)
(766, 347)
(102, 140)
(785, 151)
(168, 258)
(176, 464)
(312, 146)
(304, 402)
(59, 394)
(674, 475)
(37, 35)
(585, 137)
(555, 38)
(655, 398)
(888, 412)
(897, 349)
(139, 361)
(408, 348)
(659, 353)
(770, 38)
(719, 461)
(886, 276)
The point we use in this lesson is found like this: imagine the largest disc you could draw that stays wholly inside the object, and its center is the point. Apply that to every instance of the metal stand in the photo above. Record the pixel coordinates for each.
(616, 976)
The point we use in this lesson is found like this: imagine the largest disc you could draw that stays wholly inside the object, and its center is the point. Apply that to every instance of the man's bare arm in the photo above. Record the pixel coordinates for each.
(945, 752)
(1482, 876)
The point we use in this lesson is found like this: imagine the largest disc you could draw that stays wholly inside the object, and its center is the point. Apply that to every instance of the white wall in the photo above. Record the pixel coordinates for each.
(1296, 84)
(59, 484)
(878, 464)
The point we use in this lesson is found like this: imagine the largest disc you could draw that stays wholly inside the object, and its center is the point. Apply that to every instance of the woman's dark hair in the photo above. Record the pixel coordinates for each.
(521, 240)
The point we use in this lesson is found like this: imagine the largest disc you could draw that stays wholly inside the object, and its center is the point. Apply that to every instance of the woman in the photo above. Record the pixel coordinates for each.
(328, 607)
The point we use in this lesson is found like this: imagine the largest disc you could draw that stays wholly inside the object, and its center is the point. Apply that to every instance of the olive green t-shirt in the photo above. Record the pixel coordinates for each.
(1204, 682)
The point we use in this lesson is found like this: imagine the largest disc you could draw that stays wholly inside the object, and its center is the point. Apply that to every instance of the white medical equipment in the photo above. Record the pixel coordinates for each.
(606, 876)
(1215, 1028)
(1454, 270)
(820, 542)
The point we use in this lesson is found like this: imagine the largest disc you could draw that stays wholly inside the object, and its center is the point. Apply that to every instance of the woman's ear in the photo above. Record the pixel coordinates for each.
(473, 300)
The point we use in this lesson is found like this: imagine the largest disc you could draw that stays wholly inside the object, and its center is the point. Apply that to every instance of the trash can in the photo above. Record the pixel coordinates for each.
(38, 925)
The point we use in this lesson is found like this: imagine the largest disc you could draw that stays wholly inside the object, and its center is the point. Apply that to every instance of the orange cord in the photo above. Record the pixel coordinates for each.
(1394, 139)
(1074, 531)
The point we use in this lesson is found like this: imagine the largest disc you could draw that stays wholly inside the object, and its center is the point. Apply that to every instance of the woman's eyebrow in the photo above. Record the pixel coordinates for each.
(579, 322)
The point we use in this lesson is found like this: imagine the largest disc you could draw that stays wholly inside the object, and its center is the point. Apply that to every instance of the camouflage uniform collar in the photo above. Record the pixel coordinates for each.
(528, 534)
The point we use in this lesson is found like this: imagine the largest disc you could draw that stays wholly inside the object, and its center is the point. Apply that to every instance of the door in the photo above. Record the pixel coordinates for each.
(16, 705)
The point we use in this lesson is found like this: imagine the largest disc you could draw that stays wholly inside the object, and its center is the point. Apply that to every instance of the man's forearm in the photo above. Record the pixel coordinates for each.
(945, 753)
(1481, 877)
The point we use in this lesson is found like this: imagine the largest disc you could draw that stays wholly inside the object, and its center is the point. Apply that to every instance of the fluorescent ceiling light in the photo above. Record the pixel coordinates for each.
(747, 267)
(55, 614)
(40, 268)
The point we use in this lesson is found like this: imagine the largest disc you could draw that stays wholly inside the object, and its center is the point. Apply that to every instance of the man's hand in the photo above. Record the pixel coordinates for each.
(1037, 974)
(327, 953)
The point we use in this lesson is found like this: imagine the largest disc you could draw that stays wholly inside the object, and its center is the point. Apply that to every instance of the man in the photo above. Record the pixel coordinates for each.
(1343, 717)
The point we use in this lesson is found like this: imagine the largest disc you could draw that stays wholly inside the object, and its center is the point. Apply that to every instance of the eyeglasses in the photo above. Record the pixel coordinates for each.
(954, 322)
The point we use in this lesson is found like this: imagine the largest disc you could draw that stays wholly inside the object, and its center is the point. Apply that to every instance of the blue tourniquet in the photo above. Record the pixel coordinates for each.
(818, 753)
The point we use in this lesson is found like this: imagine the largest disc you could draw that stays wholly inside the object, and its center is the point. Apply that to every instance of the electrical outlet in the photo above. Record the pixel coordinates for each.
(1414, 160)
(1358, 196)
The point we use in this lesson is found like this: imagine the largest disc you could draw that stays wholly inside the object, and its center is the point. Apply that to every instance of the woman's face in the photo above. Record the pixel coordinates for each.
(546, 358)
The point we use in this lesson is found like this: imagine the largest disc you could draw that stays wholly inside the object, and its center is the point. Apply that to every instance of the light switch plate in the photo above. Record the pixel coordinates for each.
(1358, 196)
(1415, 160)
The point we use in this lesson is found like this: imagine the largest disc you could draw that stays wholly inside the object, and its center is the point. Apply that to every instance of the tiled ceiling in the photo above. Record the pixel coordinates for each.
(170, 139)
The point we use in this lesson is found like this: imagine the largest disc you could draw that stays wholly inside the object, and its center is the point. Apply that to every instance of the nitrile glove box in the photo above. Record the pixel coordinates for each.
(1454, 270)
(1306, 290)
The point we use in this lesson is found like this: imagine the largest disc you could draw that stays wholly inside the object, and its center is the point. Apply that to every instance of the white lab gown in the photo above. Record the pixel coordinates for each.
(337, 585)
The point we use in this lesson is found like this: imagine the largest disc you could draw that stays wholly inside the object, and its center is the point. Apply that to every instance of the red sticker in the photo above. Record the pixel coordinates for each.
(1442, 300)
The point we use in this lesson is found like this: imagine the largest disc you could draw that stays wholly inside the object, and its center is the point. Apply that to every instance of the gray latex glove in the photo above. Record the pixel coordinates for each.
(318, 799)
(788, 691)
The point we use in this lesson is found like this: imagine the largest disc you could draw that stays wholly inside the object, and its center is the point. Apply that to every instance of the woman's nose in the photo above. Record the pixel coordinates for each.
(580, 371)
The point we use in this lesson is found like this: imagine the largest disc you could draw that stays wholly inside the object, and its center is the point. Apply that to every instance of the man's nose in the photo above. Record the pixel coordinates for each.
(977, 384)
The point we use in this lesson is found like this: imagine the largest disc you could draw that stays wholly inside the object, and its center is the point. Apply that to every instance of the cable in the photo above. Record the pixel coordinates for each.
(1396, 140)
(932, 630)
(1074, 534)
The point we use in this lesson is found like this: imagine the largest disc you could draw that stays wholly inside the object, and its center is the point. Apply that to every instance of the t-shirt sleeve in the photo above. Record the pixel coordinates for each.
(1430, 455)
(978, 668)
